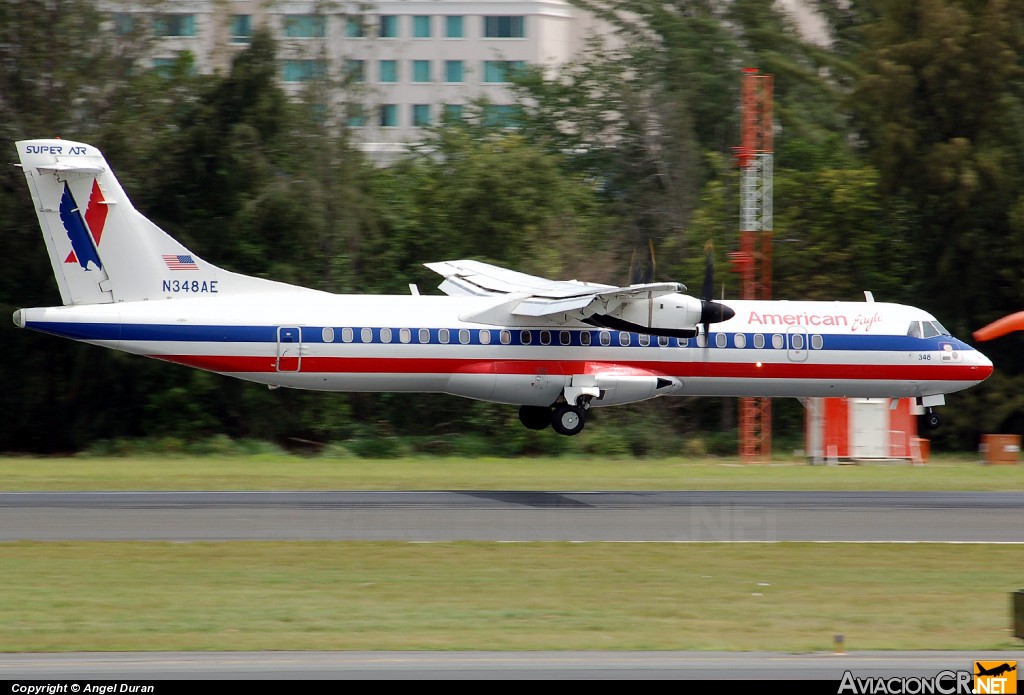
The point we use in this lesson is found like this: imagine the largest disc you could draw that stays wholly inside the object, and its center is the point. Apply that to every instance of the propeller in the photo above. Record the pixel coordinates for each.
(710, 310)
(641, 271)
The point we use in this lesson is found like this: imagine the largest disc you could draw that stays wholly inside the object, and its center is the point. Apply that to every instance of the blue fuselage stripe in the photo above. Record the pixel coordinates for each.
(455, 336)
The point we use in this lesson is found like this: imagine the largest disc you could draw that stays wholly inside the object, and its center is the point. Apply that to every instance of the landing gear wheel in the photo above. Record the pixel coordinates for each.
(535, 417)
(932, 420)
(568, 419)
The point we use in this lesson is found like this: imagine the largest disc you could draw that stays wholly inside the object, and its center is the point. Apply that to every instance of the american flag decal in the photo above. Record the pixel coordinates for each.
(183, 262)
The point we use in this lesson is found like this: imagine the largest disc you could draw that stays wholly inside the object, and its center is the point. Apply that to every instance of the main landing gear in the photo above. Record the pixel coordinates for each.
(564, 418)
(931, 419)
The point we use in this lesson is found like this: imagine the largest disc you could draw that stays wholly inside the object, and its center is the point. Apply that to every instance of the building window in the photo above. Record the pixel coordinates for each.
(174, 25)
(499, 70)
(124, 23)
(389, 71)
(421, 27)
(504, 28)
(453, 27)
(421, 71)
(388, 26)
(303, 70)
(304, 26)
(501, 115)
(453, 71)
(452, 113)
(421, 115)
(354, 28)
(355, 70)
(241, 28)
(164, 66)
(388, 115)
(356, 115)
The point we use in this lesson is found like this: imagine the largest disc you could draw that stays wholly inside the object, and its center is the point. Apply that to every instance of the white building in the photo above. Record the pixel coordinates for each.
(397, 65)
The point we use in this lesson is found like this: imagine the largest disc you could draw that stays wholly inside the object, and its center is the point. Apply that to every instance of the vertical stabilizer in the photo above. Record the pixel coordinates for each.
(101, 248)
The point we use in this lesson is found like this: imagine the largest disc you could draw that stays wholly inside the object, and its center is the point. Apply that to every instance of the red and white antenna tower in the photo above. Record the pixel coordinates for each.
(754, 259)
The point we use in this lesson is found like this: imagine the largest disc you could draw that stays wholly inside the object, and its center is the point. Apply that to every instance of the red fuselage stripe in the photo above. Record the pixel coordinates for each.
(735, 370)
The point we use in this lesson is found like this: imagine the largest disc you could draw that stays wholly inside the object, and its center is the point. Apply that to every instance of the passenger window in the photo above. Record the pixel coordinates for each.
(606, 338)
(327, 334)
(424, 335)
(485, 337)
(404, 335)
(442, 336)
(346, 335)
(525, 337)
(741, 340)
(817, 342)
(385, 335)
(505, 337)
(663, 340)
(777, 341)
(623, 339)
(797, 340)
(759, 341)
(564, 338)
(644, 339)
(702, 340)
(464, 336)
(585, 338)
(545, 337)
(366, 335)
(721, 340)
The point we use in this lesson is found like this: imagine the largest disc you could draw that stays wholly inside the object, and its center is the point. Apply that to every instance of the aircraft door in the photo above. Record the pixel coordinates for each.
(289, 348)
(796, 344)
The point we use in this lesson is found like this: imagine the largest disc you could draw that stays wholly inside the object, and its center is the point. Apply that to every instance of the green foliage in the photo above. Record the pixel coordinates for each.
(897, 171)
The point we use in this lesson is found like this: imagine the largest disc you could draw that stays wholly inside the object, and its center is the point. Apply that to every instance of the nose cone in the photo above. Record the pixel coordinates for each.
(982, 365)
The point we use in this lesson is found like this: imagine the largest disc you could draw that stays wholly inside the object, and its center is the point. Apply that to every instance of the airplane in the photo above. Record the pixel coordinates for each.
(994, 671)
(553, 348)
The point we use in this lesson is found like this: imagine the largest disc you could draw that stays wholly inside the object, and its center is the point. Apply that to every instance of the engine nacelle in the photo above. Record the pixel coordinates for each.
(677, 315)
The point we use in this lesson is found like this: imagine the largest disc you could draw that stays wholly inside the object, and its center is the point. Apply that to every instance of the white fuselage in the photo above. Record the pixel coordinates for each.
(313, 340)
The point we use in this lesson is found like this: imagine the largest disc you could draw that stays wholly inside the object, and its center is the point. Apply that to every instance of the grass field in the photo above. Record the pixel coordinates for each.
(280, 472)
(393, 595)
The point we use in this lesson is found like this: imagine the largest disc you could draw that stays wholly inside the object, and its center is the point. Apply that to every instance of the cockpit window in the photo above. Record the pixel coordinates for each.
(932, 329)
(915, 329)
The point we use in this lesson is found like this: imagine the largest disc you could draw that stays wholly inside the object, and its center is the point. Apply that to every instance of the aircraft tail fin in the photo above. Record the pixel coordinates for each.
(101, 248)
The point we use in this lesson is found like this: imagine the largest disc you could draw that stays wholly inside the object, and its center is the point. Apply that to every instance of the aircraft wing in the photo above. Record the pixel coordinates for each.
(538, 297)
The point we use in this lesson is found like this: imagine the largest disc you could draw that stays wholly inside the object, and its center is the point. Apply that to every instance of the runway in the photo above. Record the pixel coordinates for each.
(597, 665)
(509, 516)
